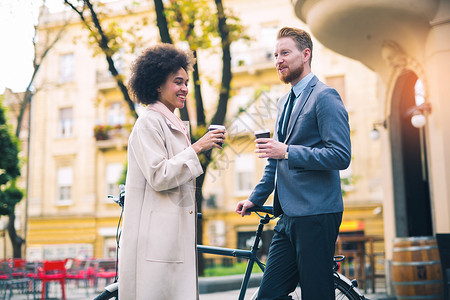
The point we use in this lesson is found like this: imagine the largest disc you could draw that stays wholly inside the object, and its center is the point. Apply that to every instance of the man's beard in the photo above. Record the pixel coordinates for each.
(290, 76)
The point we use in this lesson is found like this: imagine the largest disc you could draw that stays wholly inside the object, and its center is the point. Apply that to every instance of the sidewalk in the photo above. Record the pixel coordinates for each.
(233, 295)
(72, 294)
(214, 288)
(228, 295)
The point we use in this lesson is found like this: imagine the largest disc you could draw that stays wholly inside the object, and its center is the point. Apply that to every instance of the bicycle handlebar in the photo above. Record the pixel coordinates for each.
(261, 209)
(256, 209)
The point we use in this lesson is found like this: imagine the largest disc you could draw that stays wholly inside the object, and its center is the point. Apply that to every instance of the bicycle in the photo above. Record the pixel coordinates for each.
(344, 287)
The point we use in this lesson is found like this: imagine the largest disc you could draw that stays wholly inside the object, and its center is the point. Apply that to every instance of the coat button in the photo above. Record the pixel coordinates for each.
(191, 212)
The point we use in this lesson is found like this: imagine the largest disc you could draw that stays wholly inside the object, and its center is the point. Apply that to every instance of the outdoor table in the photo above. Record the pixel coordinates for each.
(360, 256)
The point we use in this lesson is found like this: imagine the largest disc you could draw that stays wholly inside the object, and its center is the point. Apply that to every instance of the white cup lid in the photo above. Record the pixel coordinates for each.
(216, 127)
(262, 131)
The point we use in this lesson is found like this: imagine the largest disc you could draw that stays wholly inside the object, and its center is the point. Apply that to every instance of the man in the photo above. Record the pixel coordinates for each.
(311, 144)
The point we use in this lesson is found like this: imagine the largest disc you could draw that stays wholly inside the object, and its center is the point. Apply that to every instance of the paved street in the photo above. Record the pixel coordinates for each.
(74, 292)
(233, 295)
(80, 294)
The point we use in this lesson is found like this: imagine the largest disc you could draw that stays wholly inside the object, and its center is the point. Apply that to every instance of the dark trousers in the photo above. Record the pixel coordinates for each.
(302, 252)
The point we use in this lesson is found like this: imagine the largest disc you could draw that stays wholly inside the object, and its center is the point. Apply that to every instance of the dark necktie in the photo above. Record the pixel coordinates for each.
(286, 116)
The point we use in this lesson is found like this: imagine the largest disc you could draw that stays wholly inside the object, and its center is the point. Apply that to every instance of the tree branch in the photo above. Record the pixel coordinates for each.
(103, 44)
(224, 93)
(161, 22)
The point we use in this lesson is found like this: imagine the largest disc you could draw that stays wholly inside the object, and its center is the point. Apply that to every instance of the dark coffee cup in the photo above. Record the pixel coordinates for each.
(263, 133)
(213, 127)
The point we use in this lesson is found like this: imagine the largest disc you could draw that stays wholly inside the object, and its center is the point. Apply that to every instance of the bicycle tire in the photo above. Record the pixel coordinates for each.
(106, 295)
(342, 291)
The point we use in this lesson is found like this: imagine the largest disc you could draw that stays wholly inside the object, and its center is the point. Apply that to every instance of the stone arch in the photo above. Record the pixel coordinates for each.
(412, 202)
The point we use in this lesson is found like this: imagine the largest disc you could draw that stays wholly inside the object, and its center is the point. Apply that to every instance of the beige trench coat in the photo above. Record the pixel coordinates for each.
(157, 255)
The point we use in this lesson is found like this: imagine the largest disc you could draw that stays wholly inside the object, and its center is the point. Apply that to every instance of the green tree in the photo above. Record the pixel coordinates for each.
(40, 54)
(107, 40)
(203, 24)
(10, 195)
(193, 22)
(23, 101)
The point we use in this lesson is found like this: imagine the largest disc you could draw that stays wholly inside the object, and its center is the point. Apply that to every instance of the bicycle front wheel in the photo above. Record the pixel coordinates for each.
(342, 291)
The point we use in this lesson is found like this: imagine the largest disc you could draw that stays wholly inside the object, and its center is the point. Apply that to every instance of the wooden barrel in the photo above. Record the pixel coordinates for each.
(416, 269)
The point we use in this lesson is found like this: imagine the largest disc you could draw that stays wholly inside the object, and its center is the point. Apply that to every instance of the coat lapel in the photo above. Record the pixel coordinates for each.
(298, 108)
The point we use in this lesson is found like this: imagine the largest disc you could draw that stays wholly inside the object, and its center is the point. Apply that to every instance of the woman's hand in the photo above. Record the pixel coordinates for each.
(209, 140)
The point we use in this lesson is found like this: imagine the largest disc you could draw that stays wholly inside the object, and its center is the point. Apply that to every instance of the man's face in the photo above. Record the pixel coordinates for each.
(289, 60)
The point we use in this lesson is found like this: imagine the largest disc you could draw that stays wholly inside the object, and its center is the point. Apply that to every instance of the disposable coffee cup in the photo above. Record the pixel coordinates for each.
(214, 127)
(263, 133)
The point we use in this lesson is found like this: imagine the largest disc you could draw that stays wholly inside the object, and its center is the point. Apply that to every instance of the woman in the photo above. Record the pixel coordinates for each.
(158, 257)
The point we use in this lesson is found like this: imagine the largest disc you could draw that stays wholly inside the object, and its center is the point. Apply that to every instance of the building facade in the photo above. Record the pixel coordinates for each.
(80, 126)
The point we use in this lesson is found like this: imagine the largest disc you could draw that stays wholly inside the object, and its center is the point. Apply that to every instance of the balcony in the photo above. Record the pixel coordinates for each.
(104, 80)
(252, 60)
(360, 29)
(111, 137)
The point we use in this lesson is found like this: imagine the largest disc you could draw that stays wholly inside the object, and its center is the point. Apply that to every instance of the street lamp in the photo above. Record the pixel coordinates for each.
(418, 119)
(374, 134)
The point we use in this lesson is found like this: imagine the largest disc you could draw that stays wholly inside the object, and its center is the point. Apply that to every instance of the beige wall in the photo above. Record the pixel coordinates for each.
(417, 32)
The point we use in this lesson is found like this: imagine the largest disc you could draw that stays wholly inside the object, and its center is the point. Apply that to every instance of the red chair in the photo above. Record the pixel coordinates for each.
(53, 271)
(105, 270)
(19, 267)
(80, 271)
(9, 283)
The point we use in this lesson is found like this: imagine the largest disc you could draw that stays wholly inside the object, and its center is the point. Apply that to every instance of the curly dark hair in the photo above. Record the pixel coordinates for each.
(152, 68)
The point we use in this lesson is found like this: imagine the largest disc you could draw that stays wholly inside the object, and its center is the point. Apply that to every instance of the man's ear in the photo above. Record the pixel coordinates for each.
(306, 54)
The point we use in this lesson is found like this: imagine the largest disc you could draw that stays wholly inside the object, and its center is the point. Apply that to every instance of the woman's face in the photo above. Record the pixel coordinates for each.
(174, 91)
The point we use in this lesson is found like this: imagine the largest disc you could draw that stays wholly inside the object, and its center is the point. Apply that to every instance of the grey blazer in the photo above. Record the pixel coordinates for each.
(318, 136)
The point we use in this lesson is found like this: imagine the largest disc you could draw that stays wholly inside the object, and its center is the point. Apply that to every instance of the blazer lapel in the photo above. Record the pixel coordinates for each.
(298, 108)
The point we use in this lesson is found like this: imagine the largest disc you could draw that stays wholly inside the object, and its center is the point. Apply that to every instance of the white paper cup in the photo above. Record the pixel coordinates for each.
(213, 127)
(263, 133)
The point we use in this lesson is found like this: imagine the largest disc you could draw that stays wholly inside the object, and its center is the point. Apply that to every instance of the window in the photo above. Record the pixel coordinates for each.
(115, 114)
(244, 168)
(419, 91)
(109, 247)
(64, 185)
(119, 61)
(65, 122)
(217, 231)
(113, 174)
(241, 55)
(66, 68)
(268, 36)
(245, 120)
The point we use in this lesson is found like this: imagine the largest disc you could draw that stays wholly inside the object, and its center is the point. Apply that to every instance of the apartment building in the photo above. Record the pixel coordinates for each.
(80, 126)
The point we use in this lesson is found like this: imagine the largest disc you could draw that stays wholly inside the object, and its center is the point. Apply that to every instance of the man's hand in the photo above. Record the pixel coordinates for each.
(270, 148)
(242, 206)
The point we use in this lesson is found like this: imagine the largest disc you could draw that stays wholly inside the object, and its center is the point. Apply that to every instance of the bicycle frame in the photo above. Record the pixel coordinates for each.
(247, 254)
(111, 291)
